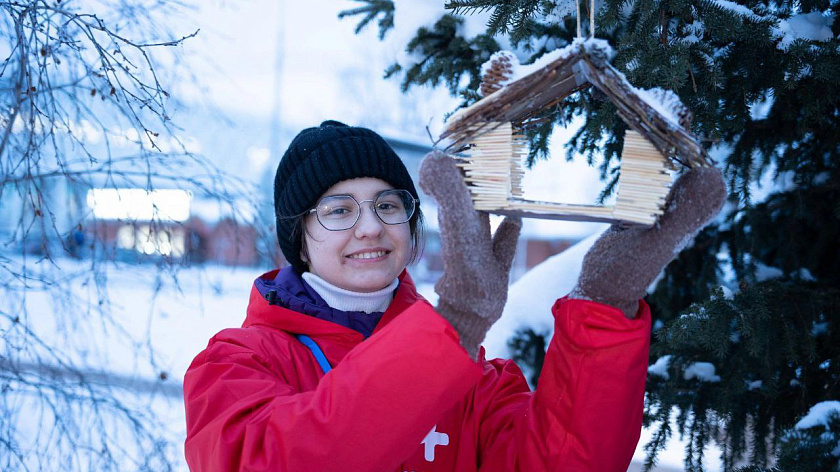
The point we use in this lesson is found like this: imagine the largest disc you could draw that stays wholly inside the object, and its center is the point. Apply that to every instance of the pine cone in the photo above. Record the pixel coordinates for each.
(497, 72)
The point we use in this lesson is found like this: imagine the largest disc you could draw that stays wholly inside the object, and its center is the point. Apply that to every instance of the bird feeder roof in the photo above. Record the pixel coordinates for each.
(657, 114)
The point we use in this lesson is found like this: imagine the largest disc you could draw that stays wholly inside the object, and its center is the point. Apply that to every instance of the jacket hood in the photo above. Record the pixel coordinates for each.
(296, 315)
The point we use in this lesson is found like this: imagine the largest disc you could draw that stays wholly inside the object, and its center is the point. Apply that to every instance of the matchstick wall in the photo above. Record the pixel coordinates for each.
(494, 171)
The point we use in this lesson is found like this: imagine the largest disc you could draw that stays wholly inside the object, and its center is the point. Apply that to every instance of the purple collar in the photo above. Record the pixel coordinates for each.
(292, 292)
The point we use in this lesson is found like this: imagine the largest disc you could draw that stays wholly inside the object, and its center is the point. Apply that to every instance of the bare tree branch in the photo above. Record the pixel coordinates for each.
(83, 105)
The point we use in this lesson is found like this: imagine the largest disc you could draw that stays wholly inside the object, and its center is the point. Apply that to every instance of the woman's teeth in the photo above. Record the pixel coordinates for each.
(368, 255)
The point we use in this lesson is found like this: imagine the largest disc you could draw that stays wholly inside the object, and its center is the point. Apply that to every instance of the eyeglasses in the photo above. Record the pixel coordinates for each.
(341, 212)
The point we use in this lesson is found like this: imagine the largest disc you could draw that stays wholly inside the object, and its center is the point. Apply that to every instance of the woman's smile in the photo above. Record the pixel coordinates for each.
(371, 255)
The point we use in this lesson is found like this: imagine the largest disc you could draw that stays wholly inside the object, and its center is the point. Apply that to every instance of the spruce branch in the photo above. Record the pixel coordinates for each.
(369, 12)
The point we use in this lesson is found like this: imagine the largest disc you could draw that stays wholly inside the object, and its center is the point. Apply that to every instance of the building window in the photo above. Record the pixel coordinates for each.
(152, 241)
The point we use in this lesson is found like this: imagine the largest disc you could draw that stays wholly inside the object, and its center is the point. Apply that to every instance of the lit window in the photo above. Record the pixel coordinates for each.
(140, 204)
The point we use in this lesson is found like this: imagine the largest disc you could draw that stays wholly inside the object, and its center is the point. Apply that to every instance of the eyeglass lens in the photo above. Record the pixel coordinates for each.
(339, 212)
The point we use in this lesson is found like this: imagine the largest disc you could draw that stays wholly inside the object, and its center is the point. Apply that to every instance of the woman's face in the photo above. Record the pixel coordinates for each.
(364, 258)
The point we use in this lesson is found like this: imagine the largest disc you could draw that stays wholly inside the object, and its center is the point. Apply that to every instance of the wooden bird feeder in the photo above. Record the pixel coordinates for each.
(489, 135)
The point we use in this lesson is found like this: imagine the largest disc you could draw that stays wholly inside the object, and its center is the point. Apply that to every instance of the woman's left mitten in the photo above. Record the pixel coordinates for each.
(624, 261)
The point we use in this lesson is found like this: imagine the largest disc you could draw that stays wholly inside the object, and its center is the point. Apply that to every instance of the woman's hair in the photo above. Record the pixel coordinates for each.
(416, 227)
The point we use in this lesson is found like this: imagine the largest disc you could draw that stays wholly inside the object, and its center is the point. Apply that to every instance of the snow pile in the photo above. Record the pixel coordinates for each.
(660, 367)
(819, 415)
(530, 299)
(702, 371)
(812, 26)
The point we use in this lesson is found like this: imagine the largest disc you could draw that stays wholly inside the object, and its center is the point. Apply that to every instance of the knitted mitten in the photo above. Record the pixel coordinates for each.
(624, 261)
(473, 288)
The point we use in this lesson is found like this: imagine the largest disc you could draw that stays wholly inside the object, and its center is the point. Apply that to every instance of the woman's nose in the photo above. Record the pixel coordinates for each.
(369, 224)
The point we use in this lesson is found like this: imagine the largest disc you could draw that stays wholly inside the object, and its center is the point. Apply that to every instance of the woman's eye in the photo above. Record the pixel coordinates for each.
(386, 207)
(336, 212)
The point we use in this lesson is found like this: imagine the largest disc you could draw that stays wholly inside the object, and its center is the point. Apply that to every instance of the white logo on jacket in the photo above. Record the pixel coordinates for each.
(431, 440)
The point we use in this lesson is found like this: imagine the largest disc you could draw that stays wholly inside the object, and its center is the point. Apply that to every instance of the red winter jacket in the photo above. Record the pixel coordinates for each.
(409, 398)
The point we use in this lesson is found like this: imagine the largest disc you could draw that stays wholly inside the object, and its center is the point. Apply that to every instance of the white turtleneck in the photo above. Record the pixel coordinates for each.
(346, 300)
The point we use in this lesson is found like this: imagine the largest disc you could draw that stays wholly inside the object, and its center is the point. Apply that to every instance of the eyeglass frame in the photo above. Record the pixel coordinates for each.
(415, 201)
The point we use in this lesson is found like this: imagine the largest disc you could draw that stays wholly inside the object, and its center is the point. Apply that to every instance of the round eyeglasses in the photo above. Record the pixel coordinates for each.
(341, 212)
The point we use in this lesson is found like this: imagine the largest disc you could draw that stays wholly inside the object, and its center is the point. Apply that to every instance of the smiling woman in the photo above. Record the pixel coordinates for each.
(341, 365)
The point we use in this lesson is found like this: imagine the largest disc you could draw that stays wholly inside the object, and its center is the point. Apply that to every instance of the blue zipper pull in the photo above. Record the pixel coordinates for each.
(316, 351)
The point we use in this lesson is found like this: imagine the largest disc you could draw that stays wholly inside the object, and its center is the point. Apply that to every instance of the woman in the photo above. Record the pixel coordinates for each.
(341, 365)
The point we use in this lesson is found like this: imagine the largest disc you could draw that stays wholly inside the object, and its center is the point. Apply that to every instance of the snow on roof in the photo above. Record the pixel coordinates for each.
(519, 71)
(139, 204)
(663, 101)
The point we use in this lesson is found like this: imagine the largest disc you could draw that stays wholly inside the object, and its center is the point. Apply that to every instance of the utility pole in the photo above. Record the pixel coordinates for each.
(279, 56)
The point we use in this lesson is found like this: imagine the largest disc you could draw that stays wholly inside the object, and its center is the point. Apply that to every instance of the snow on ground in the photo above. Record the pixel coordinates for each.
(188, 308)
(670, 459)
(530, 298)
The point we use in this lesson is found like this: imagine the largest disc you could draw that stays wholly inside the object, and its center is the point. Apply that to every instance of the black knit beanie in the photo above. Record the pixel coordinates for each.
(319, 158)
